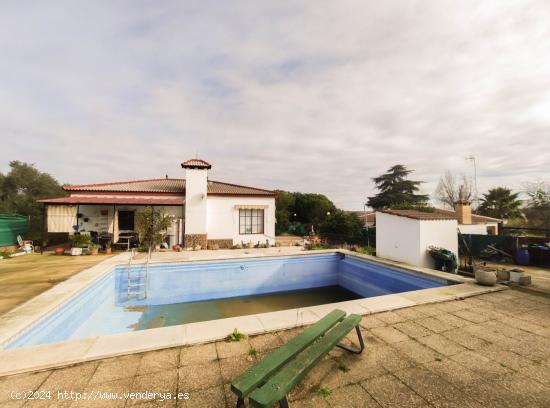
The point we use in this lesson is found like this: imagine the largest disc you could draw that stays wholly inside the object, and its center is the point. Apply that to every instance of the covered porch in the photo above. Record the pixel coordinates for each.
(109, 218)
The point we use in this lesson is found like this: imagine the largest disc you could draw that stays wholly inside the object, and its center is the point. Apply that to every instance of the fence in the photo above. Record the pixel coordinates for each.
(477, 243)
(12, 225)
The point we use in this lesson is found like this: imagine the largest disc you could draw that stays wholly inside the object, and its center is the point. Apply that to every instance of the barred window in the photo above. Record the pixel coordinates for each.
(251, 221)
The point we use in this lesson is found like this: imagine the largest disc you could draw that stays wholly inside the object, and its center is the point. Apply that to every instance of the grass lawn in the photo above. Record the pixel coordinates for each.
(26, 276)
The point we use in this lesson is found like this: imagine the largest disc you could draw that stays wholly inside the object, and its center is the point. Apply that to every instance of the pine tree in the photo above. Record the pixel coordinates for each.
(396, 191)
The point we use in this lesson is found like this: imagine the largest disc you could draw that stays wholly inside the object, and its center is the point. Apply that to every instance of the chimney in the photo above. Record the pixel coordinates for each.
(196, 191)
(464, 212)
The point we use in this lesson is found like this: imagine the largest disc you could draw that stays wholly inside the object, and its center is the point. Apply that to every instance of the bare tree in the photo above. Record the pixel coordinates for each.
(449, 190)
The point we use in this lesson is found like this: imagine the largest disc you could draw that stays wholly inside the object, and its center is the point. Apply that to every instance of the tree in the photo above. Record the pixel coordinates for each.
(343, 225)
(448, 192)
(284, 205)
(151, 226)
(21, 187)
(500, 202)
(394, 189)
(302, 210)
(538, 206)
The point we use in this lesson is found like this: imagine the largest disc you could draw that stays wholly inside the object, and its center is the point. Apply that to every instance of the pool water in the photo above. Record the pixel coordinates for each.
(181, 313)
(179, 293)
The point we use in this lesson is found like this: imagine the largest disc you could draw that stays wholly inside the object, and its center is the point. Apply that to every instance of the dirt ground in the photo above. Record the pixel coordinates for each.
(24, 277)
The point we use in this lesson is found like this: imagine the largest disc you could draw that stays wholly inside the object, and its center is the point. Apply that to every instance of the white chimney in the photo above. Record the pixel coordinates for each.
(196, 191)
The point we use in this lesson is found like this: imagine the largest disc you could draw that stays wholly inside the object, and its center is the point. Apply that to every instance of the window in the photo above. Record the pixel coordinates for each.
(251, 221)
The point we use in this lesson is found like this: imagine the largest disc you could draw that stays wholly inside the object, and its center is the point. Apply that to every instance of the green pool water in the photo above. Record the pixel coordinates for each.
(181, 313)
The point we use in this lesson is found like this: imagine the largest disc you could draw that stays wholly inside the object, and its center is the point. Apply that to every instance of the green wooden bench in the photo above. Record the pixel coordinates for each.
(269, 381)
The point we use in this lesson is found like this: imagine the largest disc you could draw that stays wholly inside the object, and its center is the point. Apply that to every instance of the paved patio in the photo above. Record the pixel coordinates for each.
(491, 350)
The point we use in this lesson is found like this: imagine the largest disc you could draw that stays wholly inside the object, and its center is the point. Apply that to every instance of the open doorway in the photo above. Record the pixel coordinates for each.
(126, 220)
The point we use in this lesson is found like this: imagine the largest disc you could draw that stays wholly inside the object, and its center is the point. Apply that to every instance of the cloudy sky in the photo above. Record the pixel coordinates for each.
(315, 96)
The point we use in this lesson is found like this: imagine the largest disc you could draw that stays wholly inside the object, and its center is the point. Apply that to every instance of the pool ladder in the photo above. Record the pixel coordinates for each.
(137, 281)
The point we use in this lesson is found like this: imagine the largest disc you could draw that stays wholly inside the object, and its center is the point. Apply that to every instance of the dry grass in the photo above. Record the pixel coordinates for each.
(26, 276)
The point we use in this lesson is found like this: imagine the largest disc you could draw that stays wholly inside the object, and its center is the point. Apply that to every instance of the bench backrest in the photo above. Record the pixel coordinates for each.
(291, 374)
(258, 374)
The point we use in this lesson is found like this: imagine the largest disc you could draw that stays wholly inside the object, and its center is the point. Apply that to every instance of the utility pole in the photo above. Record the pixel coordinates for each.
(472, 158)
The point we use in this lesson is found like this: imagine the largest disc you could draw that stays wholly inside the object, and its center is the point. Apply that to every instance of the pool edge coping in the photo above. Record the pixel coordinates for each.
(52, 355)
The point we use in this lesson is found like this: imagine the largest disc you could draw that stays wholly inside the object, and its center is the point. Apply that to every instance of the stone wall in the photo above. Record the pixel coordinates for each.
(192, 240)
(220, 243)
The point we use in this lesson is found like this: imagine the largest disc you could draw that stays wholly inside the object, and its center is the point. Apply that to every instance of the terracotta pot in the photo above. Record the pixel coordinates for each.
(176, 248)
(59, 251)
(108, 250)
(94, 251)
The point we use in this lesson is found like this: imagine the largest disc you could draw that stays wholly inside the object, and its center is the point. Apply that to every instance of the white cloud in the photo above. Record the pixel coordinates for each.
(311, 96)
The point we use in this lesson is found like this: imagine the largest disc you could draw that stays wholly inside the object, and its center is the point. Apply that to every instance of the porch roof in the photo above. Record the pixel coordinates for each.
(115, 200)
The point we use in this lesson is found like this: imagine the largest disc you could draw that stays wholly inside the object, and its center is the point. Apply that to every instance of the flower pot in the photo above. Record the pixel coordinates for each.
(76, 251)
(486, 278)
(59, 251)
(503, 275)
(516, 275)
(176, 248)
(94, 251)
(108, 250)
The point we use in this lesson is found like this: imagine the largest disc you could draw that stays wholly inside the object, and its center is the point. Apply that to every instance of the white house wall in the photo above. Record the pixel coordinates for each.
(439, 233)
(398, 238)
(407, 240)
(223, 219)
(477, 229)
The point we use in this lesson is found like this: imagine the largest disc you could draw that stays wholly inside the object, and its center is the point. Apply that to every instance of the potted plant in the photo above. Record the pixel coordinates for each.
(94, 249)
(108, 247)
(79, 242)
(59, 251)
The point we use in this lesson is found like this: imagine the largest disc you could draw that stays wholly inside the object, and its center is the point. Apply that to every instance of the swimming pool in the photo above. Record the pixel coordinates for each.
(178, 293)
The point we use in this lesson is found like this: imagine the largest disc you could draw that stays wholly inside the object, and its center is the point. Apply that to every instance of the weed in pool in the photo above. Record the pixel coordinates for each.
(324, 392)
(438, 359)
(252, 352)
(235, 335)
(343, 368)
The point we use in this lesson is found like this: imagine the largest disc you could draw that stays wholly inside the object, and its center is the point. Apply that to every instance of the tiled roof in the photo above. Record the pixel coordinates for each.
(196, 164)
(420, 215)
(114, 200)
(476, 218)
(365, 216)
(438, 214)
(162, 185)
(166, 185)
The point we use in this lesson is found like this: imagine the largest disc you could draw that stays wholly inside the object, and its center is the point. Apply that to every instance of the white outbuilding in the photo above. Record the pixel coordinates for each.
(405, 235)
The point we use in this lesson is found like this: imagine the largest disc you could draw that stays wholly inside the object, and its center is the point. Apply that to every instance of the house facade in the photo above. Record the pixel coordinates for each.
(204, 212)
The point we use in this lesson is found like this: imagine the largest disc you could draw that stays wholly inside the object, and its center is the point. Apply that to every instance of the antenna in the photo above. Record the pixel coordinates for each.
(472, 158)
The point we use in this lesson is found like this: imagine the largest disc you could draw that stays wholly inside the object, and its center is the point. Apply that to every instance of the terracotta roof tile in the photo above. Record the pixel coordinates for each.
(196, 164)
(114, 200)
(420, 215)
(166, 185)
(438, 214)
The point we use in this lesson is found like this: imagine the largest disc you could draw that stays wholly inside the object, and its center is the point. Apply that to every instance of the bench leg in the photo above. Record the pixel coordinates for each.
(240, 402)
(352, 349)
(283, 403)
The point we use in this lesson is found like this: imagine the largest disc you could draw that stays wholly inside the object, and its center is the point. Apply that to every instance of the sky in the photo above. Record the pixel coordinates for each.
(313, 96)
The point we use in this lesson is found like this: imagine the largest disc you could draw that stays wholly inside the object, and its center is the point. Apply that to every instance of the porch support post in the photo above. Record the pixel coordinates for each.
(43, 239)
(114, 211)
